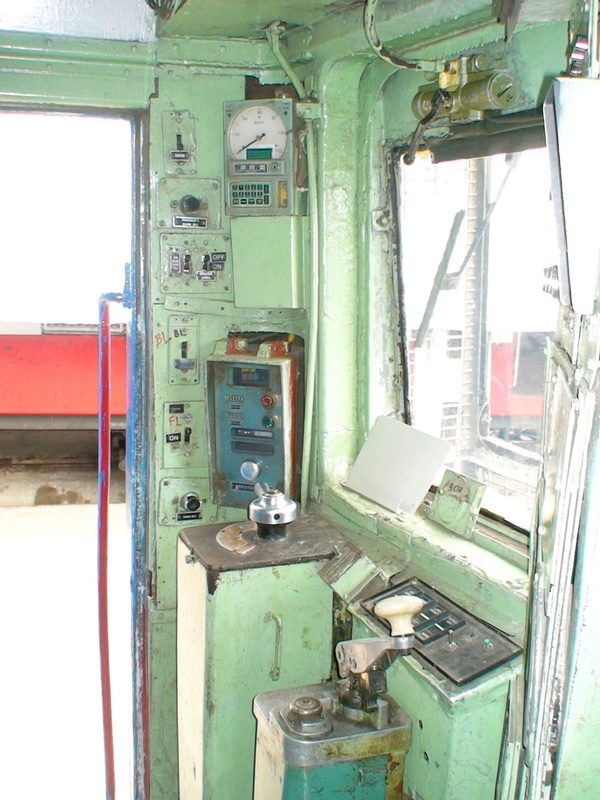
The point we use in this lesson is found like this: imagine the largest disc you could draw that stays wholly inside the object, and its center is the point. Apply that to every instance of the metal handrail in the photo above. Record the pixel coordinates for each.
(103, 498)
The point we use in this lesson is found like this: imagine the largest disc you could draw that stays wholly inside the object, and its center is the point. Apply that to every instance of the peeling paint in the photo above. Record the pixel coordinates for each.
(51, 496)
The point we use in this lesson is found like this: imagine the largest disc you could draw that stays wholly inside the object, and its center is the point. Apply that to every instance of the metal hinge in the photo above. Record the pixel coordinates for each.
(149, 583)
(308, 109)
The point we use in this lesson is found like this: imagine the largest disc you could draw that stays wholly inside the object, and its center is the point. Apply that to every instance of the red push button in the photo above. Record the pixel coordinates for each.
(267, 400)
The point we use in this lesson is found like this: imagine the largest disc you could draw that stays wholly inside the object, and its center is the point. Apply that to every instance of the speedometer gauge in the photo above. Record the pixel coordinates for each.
(258, 132)
(263, 162)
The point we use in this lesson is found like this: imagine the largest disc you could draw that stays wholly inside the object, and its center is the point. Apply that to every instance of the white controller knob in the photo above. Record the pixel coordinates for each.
(399, 611)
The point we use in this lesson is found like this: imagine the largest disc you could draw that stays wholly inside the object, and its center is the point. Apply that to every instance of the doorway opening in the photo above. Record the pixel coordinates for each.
(67, 207)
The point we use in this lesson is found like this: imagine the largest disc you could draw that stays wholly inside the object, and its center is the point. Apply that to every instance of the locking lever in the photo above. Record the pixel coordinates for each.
(362, 662)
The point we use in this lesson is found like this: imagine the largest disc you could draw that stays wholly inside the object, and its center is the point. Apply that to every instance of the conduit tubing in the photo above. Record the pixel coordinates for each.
(103, 495)
(381, 51)
(274, 32)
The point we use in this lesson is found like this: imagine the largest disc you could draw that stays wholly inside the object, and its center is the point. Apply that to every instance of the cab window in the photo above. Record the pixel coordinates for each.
(477, 248)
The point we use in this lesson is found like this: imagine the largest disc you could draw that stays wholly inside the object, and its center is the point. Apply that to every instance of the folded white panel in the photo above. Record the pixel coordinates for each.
(397, 465)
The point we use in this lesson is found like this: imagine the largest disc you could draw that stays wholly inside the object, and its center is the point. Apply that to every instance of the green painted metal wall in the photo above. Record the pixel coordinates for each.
(364, 103)
(201, 93)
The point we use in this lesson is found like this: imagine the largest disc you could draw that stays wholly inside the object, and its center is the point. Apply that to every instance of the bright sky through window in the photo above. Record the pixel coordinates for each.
(66, 211)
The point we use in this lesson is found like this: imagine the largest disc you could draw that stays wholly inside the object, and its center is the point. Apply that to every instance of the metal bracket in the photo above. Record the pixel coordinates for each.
(308, 109)
(440, 102)
(381, 219)
(360, 655)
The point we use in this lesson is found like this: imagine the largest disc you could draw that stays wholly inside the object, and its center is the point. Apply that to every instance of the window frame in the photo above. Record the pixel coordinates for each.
(492, 531)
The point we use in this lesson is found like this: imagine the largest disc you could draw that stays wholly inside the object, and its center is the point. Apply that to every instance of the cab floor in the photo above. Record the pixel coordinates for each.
(50, 698)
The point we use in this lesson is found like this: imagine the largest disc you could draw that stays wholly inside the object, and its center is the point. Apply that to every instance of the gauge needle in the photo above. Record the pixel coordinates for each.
(256, 139)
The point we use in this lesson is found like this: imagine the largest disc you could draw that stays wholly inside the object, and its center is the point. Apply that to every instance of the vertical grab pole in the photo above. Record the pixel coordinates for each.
(103, 491)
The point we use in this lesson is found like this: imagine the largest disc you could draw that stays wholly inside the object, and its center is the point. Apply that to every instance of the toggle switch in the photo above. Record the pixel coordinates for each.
(180, 153)
(185, 363)
(175, 266)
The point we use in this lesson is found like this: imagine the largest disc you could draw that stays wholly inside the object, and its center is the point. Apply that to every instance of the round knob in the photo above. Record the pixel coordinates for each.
(305, 717)
(271, 507)
(399, 611)
(250, 470)
(190, 502)
(189, 204)
(306, 707)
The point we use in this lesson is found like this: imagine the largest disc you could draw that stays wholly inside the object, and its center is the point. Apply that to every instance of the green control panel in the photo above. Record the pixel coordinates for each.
(252, 420)
(448, 639)
(262, 164)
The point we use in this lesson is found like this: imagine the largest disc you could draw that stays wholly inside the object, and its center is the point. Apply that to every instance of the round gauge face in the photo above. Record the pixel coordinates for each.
(257, 133)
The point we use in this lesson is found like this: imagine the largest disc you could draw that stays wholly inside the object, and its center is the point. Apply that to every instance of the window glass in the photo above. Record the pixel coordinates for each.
(66, 210)
(476, 239)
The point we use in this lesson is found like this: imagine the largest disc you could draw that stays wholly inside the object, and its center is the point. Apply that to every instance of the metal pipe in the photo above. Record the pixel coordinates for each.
(103, 496)
(273, 34)
(593, 13)
(381, 51)
(311, 376)
(137, 449)
(137, 469)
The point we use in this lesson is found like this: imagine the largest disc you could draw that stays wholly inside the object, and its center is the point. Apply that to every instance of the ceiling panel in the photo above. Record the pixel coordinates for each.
(246, 18)
(94, 19)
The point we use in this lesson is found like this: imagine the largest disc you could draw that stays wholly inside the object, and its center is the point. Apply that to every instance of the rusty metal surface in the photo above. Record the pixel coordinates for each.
(309, 538)
(348, 739)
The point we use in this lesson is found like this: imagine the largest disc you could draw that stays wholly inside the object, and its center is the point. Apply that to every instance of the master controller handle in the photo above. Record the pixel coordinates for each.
(399, 612)
(272, 511)
(359, 656)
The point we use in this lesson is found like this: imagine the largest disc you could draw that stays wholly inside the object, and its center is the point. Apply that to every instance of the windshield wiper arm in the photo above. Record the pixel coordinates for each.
(443, 280)
(440, 278)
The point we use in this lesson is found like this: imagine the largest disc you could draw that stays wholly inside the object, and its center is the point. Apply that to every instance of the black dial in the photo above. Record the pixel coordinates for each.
(191, 502)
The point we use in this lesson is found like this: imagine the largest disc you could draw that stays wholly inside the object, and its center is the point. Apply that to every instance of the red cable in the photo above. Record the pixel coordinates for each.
(103, 489)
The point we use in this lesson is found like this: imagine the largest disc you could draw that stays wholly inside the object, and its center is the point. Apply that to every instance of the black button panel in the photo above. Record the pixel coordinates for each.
(250, 194)
(448, 638)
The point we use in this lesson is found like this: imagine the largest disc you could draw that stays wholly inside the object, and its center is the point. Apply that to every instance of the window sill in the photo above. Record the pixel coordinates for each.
(479, 578)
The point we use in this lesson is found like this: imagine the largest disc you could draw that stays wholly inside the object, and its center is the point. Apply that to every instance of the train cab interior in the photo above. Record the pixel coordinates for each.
(363, 342)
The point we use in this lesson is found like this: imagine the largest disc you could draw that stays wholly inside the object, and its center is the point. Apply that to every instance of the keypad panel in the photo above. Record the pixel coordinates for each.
(447, 637)
(250, 194)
